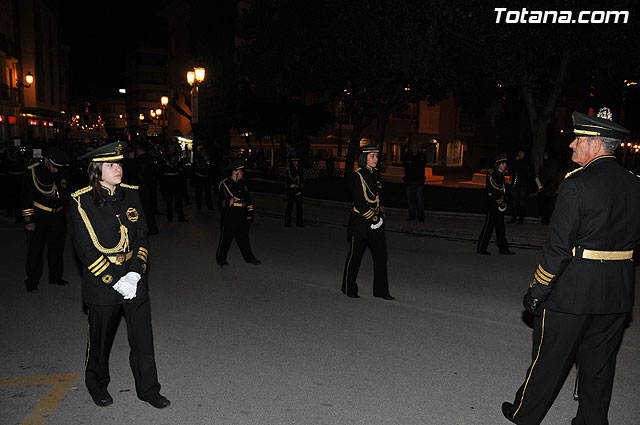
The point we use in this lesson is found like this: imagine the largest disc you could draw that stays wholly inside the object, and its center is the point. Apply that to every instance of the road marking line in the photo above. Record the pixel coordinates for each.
(61, 384)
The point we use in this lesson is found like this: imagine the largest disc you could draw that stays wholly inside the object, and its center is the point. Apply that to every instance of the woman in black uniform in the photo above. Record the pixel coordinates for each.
(366, 226)
(110, 236)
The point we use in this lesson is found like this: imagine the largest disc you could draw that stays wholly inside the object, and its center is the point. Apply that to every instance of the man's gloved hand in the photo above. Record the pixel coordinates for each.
(536, 294)
(127, 285)
(377, 225)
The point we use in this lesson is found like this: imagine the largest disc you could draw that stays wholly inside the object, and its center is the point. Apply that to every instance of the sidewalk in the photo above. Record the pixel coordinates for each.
(462, 226)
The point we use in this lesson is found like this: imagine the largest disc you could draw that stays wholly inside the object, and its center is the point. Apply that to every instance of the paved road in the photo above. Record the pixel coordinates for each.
(279, 344)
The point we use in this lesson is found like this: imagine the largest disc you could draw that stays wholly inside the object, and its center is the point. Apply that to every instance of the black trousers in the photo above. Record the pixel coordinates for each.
(377, 244)
(203, 185)
(103, 324)
(51, 230)
(291, 199)
(559, 340)
(234, 228)
(495, 219)
(173, 194)
(519, 197)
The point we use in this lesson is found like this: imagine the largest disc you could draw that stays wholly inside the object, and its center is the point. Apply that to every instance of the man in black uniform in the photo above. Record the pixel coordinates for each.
(14, 167)
(236, 215)
(44, 191)
(202, 177)
(496, 206)
(172, 181)
(110, 236)
(366, 225)
(295, 184)
(523, 173)
(583, 289)
(142, 173)
(414, 165)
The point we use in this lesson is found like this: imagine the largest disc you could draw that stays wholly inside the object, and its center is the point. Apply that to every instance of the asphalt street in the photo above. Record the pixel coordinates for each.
(279, 344)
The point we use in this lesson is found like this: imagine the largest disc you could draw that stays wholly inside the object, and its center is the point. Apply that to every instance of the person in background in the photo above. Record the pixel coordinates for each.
(295, 185)
(172, 181)
(236, 215)
(523, 178)
(582, 291)
(548, 177)
(45, 190)
(202, 177)
(109, 232)
(414, 165)
(366, 225)
(496, 206)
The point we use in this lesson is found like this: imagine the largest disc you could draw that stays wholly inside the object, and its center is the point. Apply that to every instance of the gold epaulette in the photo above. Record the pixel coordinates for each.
(570, 173)
(129, 186)
(35, 164)
(81, 191)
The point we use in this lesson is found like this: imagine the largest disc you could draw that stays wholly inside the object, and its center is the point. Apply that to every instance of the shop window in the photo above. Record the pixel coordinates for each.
(455, 152)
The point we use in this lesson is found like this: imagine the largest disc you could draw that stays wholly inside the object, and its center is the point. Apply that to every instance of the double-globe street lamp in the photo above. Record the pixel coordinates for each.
(195, 77)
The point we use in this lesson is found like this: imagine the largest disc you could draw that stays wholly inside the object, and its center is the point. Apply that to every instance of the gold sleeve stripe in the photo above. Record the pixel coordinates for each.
(142, 258)
(95, 263)
(103, 268)
(95, 269)
(101, 264)
(542, 280)
(546, 273)
(142, 255)
(141, 252)
(250, 208)
(368, 214)
(143, 249)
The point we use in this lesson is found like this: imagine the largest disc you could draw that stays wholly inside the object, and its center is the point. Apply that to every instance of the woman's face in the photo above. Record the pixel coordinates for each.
(111, 174)
(372, 160)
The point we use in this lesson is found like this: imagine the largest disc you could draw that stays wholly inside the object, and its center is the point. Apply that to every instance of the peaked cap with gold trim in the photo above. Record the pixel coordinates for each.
(57, 156)
(113, 152)
(590, 126)
(369, 148)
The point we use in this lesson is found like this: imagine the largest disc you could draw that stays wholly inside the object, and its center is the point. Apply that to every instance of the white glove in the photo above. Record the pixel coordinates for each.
(377, 226)
(127, 285)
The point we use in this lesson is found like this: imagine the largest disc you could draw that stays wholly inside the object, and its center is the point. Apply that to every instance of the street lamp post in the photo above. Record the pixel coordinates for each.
(194, 78)
(164, 101)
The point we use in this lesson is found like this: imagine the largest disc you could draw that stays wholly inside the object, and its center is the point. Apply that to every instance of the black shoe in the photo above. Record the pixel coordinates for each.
(60, 282)
(255, 261)
(183, 220)
(223, 263)
(101, 400)
(385, 297)
(507, 411)
(159, 402)
(507, 252)
(353, 295)
(30, 286)
(485, 252)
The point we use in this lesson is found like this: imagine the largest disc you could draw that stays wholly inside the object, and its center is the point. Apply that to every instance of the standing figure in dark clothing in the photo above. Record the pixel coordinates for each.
(582, 291)
(202, 178)
(523, 175)
(295, 184)
(414, 165)
(14, 168)
(548, 176)
(110, 237)
(142, 173)
(45, 190)
(172, 181)
(496, 207)
(366, 225)
(236, 215)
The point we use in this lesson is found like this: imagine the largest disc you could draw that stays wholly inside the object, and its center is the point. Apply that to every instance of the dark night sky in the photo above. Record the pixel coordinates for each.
(99, 40)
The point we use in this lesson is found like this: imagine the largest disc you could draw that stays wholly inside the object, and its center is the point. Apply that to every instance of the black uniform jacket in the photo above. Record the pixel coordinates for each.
(598, 208)
(110, 241)
(496, 189)
(202, 168)
(43, 192)
(294, 182)
(242, 207)
(366, 198)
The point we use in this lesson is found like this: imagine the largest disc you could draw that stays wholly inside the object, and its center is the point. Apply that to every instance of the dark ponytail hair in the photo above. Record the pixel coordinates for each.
(94, 170)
